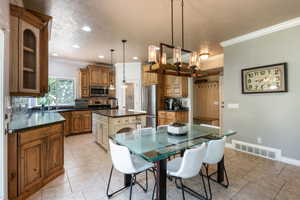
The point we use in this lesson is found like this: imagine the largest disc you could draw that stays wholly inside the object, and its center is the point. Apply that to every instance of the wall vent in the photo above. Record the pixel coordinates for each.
(258, 150)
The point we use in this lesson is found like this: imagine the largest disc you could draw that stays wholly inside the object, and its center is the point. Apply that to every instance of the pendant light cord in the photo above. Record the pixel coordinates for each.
(182, 25)
(124, 41)
(172, 21)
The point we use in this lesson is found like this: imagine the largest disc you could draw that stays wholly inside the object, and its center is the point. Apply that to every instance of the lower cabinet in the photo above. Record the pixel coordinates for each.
(36, 156)
(167, 117)
(81, 122)
(67, 116)
(32, 164)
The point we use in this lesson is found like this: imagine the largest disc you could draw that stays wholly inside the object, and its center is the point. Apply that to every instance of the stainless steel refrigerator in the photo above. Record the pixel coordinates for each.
(149, 104)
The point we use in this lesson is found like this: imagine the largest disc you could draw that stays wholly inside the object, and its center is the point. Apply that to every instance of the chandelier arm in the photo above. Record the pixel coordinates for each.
(172, 21)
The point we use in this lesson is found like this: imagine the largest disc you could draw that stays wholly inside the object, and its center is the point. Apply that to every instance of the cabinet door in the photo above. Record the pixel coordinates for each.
(14, 54)
(29, 60)
(104, 78)
(55, 153)
(99, 133)
(76, 122)
(84, 83)
(67, 128)
(105, 136)
(95, 76)
(32, 162)
(86, 120)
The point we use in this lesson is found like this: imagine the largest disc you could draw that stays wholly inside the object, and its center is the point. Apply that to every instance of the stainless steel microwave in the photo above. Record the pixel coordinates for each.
(98, 91)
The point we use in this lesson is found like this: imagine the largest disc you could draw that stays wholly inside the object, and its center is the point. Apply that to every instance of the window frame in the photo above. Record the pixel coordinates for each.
(33, 102)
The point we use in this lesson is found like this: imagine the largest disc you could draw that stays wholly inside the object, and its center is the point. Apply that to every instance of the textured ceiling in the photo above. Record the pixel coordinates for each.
(144, 22)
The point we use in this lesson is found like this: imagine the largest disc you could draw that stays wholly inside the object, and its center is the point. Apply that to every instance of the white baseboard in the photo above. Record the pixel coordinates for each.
(290, 161)
(283, 159)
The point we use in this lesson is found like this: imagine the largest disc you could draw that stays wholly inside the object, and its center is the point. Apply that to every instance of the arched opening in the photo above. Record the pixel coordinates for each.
(125, 130)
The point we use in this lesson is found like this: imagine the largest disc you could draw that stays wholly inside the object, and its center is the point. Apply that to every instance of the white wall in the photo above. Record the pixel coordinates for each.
(64, 68)
(132, 75)
(4, 25)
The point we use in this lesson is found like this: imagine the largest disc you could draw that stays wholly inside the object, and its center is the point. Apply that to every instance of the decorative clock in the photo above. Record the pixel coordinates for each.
(265, 79)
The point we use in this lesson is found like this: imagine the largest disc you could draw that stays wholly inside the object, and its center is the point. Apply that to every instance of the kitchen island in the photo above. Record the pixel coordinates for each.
(109, 122)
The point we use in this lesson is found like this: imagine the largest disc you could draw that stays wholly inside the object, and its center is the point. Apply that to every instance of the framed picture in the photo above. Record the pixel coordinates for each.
(265, 79)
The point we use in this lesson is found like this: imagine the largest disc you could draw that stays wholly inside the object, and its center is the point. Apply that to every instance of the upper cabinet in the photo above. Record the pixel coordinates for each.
(84, 83)
(99, 76)
(149, 78)
(94, 75)
(175, 86)
(28, 52)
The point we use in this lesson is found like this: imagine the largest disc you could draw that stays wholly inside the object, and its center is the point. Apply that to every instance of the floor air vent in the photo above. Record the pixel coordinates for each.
(258, 150)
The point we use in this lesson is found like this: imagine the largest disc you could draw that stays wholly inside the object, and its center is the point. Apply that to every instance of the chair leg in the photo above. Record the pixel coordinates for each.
(209, 176)
(208, 180)
(182, 189)
(204, 184)
(227, 184)
(107, 189)
(155, 185)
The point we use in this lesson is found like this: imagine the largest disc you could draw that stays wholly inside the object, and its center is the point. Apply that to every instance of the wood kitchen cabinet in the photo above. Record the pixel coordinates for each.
(168, 117)
(81, 122)
(67, 116)
(149, 78)
(84, 83)
(99, 76)
(28, 52)
(175, 86)
(36, 156)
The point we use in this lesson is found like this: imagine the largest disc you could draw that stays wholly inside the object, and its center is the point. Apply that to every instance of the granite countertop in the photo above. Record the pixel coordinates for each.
(73, 108)
(23, 121)
(118, 113)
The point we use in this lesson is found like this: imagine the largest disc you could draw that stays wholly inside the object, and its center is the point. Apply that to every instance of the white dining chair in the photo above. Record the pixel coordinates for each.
(214, 154)
(127, 163)
(186, 167)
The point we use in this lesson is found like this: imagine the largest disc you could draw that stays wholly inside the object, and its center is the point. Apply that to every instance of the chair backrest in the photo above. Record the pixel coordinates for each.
(210, 126)
(192, 162)
(121, 158)
(215, 151)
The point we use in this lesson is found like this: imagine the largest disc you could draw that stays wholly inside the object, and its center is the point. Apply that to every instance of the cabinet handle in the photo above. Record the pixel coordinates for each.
(35, 169)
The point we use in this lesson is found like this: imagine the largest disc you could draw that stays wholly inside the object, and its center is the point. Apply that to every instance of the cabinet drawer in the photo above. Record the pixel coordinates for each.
(38, 133)
(161, 114)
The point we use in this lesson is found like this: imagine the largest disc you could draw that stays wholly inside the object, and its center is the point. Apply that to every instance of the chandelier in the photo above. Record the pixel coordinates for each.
(183, 63)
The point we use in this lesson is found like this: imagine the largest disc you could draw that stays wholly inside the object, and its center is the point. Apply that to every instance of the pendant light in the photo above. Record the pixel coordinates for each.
(111, 86)
(124, 82)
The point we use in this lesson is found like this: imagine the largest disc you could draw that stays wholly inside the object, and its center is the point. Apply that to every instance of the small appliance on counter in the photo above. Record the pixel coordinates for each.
(81, 103)
(177, 129)
(173, 104)
(112, 102)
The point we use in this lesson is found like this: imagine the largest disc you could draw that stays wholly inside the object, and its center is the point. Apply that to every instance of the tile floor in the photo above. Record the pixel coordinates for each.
(87, 169)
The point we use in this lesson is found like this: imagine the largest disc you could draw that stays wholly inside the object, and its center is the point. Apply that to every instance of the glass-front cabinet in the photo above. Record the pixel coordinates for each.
(29, 37)
(29, 58)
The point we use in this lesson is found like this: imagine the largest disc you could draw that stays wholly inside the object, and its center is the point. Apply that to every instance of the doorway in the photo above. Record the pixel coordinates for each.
(207, 101)
(129, 96)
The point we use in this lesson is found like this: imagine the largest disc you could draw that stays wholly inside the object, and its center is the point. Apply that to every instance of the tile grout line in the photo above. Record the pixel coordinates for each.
(279, 190)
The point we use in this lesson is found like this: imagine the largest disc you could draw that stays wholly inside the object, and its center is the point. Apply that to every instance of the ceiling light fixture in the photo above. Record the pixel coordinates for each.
(204, 56)
(111, 86)
(54, 54)
(76, 46)
(101, 56)
(124, 81)
(86, 29)
(135, 58)
(179, 66)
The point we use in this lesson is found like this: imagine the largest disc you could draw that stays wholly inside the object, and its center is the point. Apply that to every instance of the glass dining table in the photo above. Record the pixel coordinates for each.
(157, 145)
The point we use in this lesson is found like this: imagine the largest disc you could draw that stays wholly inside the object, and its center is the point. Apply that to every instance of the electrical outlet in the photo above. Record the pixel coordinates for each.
(259, 141)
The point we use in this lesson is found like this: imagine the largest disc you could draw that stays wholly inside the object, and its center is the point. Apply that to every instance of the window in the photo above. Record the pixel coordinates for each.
(61, 92)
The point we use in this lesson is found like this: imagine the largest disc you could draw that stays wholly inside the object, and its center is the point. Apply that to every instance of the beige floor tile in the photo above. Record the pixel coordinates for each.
(87, 169)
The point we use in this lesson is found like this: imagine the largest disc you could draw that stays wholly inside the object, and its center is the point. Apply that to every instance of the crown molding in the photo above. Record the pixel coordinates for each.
(262, 32)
